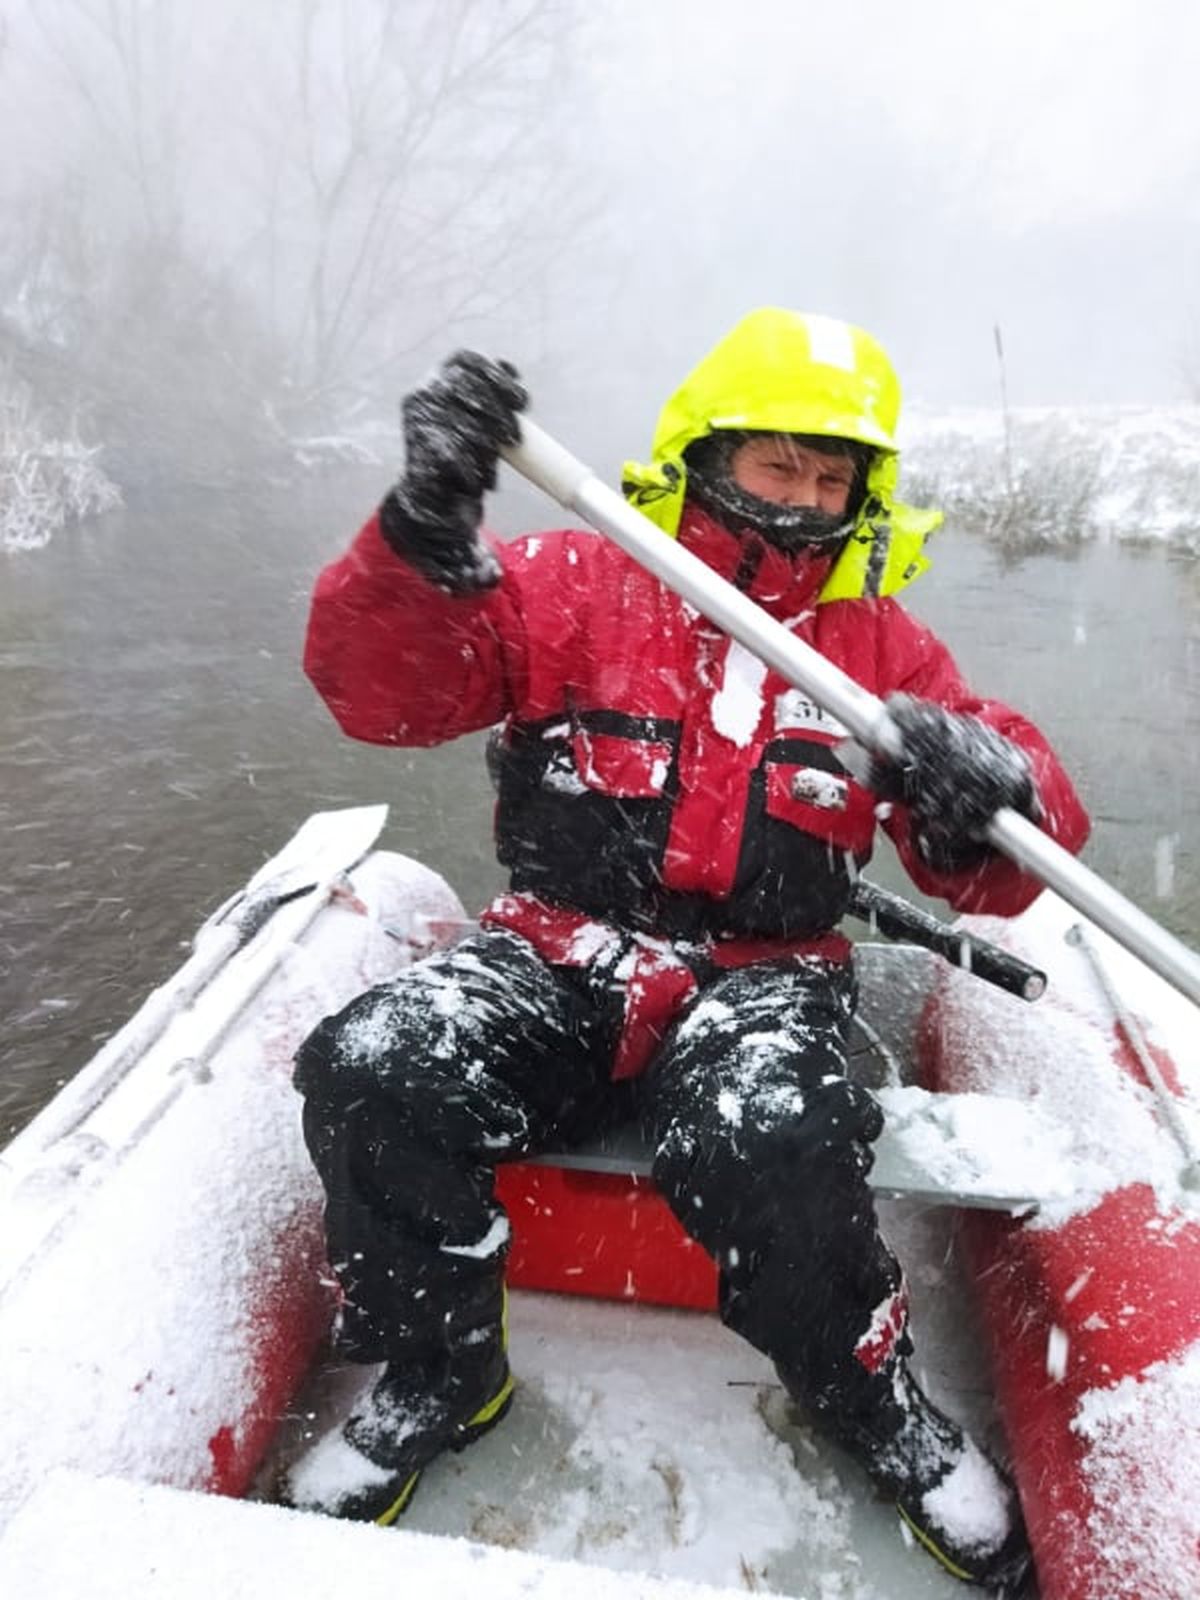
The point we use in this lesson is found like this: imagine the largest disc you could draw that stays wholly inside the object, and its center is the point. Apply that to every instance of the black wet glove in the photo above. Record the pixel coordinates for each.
(454, 428)
(955, 774)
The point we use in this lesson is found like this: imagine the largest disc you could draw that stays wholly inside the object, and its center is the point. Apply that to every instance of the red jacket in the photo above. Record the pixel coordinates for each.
(651, 772)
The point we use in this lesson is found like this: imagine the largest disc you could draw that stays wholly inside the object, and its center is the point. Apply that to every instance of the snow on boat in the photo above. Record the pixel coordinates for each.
(163, 1295)
(1092, 1305)
(161, 1282)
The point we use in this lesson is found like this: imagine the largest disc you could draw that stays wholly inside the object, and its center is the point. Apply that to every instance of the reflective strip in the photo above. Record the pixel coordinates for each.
(487, 1413)
(935, 1550)
(888, 1322)
(830, 342)
(479, 1423)
(389, 1516)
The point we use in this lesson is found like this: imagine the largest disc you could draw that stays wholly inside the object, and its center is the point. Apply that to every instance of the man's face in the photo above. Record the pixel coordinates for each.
(775, 467)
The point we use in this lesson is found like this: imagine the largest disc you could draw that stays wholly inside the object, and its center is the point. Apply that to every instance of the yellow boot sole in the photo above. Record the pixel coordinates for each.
(474, 1428)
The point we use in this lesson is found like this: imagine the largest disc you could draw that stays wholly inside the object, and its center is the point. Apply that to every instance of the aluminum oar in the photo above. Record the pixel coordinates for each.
(574, 485)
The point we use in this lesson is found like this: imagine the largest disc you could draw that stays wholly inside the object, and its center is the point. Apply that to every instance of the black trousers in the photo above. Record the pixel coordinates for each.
(483, 1053)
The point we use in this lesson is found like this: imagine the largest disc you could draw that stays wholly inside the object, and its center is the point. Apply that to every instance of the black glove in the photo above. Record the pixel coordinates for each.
(454, 428)
(955, 774)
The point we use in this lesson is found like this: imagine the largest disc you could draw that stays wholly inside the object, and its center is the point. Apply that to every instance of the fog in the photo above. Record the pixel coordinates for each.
(233, 233)
(222, 222)
(233, 236)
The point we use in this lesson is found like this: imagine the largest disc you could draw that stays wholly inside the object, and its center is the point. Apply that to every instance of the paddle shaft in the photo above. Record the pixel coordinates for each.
(567, 480)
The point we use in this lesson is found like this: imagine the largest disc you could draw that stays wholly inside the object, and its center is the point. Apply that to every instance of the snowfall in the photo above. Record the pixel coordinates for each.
(158, 1219)
(1032, 476)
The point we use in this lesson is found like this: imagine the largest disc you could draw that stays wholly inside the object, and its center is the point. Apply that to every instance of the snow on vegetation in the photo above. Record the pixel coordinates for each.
(45, 482)
(1054, 477)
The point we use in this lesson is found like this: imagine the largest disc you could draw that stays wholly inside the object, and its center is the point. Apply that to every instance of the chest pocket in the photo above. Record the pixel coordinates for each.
(623, 768)
(827, 805)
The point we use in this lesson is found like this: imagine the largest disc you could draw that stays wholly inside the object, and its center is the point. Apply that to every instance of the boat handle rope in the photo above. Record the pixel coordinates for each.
(1132, 1029)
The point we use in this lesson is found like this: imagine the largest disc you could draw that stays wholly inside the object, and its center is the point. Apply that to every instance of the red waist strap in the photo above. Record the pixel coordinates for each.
(658, 974)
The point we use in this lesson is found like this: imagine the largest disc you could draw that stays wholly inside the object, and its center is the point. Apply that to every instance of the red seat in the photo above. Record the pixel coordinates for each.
(592, 1223)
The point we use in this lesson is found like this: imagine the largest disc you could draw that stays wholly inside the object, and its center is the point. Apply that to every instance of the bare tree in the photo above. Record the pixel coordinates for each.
(407, 168)
(271, 205)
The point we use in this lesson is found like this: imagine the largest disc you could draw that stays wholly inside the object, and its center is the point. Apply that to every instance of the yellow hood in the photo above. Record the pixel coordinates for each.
(787, 372)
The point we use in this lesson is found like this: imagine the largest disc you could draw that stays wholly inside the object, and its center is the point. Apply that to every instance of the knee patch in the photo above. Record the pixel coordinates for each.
(817, 1121)
(775, 1132)
(372, 1042)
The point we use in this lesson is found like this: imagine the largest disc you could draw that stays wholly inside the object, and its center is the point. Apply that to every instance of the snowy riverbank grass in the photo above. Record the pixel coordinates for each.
(1054, 477)
(1044, 478)
(48, 476)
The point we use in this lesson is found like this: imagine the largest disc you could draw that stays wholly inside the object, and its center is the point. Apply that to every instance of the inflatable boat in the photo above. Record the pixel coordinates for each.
(164, 1300)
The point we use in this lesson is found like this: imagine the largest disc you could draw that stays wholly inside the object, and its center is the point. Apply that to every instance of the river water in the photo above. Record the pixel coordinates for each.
(158, 740)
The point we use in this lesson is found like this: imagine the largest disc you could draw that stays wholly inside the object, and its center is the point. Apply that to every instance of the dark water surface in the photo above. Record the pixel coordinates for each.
(158, 741)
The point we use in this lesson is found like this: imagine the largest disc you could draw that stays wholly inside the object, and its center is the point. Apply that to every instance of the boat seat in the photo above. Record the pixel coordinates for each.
(590, 1221)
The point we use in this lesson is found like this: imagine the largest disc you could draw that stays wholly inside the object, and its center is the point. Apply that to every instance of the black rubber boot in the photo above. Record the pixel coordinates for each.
(953, 1498)
(368, 1470)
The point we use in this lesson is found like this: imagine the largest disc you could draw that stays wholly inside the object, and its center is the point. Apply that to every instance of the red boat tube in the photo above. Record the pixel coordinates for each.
(1092, 1308)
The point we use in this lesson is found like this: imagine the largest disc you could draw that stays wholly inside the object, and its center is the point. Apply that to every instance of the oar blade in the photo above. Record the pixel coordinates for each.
(327, 843)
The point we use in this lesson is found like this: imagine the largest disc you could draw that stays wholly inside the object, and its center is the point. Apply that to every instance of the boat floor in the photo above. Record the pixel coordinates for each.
(652, 1440)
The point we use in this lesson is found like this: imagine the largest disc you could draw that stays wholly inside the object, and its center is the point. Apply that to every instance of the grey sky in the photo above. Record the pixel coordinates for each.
(927, 169)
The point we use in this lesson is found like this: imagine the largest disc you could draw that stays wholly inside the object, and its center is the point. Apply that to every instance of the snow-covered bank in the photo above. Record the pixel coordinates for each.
(45, 481)
(1045, 478)
(1057, 476)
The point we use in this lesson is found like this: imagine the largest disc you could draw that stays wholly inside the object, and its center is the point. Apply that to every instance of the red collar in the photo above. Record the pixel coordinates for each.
(784, 585)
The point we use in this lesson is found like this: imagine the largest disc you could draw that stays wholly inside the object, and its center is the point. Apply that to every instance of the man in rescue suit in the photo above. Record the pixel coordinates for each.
(682, 838)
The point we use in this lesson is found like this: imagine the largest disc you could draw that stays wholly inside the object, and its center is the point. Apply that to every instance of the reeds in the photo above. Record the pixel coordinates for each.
(48, 476)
